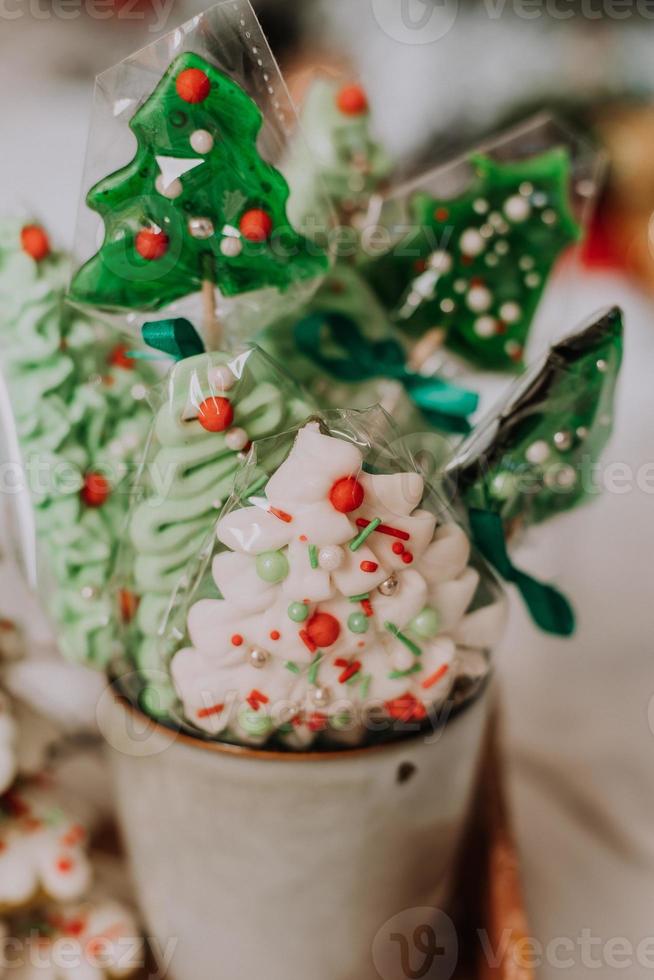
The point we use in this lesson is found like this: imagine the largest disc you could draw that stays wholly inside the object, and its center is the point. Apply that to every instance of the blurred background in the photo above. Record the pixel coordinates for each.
(440, 75)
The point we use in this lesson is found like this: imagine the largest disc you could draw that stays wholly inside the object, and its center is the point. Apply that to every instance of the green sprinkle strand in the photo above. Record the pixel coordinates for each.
(356, 543)
(396, 674)
(413, 647)
(258, 485)
(365, 685)
(313, 555)
(313, 669)
(292, 666)
(354, 679)
(359, 598)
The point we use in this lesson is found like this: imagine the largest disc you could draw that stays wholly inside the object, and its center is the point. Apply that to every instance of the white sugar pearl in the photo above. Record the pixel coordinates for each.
(330, 557)
(538, 452)
(170, 190)
(510, 312)
(471, 242)
(479, 299)
(221, 376)
(231, 247)
(236, 439)
(517, 208)
(202, 141)
(485, 326)
(440, 262)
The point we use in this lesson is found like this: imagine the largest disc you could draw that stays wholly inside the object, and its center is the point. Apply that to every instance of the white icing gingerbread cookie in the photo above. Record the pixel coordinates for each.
(42, 850)
(341, 594)
(92, 941)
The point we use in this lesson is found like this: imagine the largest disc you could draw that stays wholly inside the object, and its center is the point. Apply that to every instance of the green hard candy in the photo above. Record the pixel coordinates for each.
(426, 623)
(298, 612)
(272, 566)
(358, 623)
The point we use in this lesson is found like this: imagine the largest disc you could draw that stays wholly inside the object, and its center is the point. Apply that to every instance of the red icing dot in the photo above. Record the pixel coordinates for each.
(275, 634)
(346, 495)
(96, 490)
(256, 225)
(151, 245)
(216, 414)
(398, 548)
(65, 865)
(441, 214)
(193, 85)
(323, 629)
(368, 566)
(75, 927)
(407, 557)
(303, 537)
(35, 242)
(352, 100)
(237, 640)
(119, 358)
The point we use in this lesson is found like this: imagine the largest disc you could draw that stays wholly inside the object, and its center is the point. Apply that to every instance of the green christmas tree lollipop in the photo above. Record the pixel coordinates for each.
(537, 458)
(476, 265)
(197, 204)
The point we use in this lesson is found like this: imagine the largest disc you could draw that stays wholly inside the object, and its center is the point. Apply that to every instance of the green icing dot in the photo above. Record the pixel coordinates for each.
(298, 612)
(272, 566)
(503, 486)
(358, 623)
(255, 722)
(426, 623)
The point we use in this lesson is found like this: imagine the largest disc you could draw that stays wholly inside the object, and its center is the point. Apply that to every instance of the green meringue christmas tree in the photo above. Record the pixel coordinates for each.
(197, 204)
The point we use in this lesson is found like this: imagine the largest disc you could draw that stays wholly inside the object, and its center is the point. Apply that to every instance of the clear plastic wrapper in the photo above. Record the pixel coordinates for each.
(335, 601)
(468, 247)
(535, 455)
(208, 412)
(200, 208)
(74, 420)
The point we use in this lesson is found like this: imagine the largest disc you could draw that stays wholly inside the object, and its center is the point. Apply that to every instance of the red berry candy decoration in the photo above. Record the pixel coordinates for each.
(352, 100)
(323, 629)
(193, 85)
(119, 358)
(151, 245)
(216, 414)
(256, 225)
(35, 242)
(346, 495)
(96, 490)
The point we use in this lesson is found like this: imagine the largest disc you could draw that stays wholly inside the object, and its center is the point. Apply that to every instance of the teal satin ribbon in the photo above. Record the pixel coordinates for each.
(445, 405)
(177, 338)
(549, 609)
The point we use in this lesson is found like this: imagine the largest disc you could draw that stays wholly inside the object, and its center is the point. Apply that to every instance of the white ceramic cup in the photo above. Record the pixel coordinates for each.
(251, 864)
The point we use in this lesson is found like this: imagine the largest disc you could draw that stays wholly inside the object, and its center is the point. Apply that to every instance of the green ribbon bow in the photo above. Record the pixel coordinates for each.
(177, 338)
(445, 405)
(549, 609)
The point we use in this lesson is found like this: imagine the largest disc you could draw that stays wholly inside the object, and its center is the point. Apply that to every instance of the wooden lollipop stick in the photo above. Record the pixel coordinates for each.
(212, 328)
(431, 342)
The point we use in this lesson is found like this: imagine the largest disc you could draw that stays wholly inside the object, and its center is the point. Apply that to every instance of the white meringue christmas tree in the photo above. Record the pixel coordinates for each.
(342, 596)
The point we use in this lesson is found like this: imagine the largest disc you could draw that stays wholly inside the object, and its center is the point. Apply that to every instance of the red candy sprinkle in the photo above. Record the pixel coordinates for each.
(352, 100)
(407, 557)
(275, 634)
(398, 548)
(435, 677)
(96, 490)
(193, 85)
(216, 414)
(65, 865)
(151, 245)
(346, 495)
(256, 225)
(215, 709)
(441, 214)
(368, 566)
(119, 358)
(255, 699)
(406, 708)
(237, 640)
(35, 242)
(323, 629)
(128, 604)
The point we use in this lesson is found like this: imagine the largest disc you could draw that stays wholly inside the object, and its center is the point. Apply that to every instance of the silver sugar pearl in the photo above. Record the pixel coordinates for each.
(88, 592)
(390, 586)
(602, 366)
(321, 695)
(200, 227)
(582, 432)
(259, 658)
(563, 440)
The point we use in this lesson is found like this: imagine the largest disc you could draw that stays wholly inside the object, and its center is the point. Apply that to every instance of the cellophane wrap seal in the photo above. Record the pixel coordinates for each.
(336, 601)
(74, 419)
(207, 413)
(182, 182)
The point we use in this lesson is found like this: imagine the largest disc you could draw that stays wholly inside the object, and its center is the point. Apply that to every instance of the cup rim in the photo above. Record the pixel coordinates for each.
(274, 755)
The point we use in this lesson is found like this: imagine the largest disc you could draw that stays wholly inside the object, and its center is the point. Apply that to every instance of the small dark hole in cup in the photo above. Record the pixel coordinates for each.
(405, 771)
